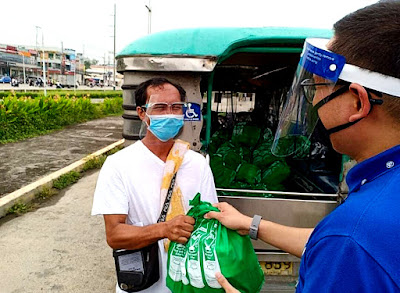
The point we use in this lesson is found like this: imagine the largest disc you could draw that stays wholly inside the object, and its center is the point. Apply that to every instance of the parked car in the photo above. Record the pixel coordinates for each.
(5, 79)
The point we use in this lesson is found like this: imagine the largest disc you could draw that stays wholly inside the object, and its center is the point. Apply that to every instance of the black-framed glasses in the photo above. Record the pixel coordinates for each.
(309, 87)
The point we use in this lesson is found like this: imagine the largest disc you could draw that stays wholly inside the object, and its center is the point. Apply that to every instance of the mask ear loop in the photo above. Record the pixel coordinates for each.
(330, 97)
(143, 130)
(341, 91)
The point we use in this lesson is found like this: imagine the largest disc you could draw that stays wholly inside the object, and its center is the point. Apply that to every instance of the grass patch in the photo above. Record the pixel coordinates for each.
(45, 193)
(97, 162)
(66, 180)
(94, 163)
(19, 208)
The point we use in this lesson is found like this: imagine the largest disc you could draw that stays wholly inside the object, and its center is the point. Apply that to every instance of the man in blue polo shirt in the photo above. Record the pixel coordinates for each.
(352, 83)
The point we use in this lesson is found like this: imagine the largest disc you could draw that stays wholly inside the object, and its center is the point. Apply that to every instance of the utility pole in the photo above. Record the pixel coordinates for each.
(104, 71)
(62, 67)
(23, 64)
(36, 45)
(115, 18)
(44, 66)
(149, 17)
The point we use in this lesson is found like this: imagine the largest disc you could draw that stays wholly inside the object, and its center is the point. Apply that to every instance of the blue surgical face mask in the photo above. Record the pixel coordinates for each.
(165, 127)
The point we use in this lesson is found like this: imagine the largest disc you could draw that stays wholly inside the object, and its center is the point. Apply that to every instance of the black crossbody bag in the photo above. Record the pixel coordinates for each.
(139, 269)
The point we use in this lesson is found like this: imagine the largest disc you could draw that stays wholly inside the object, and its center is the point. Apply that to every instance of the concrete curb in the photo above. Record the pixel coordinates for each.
(27, 193)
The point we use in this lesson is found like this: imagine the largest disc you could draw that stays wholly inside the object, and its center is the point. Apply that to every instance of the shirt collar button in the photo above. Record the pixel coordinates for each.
(389, 164)
(363, 181)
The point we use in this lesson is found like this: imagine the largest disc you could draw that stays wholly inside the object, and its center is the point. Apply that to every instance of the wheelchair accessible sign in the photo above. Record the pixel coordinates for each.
(192, 112)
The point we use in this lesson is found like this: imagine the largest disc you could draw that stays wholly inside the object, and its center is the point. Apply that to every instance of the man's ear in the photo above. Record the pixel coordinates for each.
(362, 105)
(141, 113)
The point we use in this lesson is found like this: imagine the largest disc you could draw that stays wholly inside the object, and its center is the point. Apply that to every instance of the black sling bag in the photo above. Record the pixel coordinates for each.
(139, 269)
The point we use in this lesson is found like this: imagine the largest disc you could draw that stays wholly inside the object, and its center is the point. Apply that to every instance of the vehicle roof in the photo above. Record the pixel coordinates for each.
(216, 42)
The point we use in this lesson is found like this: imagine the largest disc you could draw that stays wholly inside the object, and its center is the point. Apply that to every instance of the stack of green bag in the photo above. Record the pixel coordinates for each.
(246, 162)
(212, 248)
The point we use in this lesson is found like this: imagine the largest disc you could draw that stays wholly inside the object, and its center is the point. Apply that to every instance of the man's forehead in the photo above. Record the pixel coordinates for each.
(166, 87)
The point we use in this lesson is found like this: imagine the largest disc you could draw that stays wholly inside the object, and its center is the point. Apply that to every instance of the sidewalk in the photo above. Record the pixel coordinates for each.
(57, 248)
(26, 161)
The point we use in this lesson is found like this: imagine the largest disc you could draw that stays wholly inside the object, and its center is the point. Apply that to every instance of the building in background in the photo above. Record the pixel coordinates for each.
(14, 60)
(102, 75)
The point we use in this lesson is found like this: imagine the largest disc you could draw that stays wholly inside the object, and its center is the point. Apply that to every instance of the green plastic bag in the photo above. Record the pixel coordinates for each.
(232, 159)
(248, 173)
(299, 145)
(268, 137)
(262, 156)
(212, 248)
(275, 174)
(244, 134)
(223, 176)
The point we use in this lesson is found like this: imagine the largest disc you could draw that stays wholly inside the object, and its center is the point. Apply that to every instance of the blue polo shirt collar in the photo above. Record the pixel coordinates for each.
(371, 168)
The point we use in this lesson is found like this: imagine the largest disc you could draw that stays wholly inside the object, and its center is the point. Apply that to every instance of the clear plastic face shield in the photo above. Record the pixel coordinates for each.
(321, 76)
(163, 117)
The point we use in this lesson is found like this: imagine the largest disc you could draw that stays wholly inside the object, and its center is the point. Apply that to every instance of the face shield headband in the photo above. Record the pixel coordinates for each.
(326, 74)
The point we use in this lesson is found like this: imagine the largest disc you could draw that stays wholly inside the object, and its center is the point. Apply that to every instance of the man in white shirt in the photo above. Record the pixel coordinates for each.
(128, 188)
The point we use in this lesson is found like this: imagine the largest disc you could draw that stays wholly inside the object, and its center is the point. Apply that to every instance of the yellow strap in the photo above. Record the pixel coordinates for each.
(172, 164)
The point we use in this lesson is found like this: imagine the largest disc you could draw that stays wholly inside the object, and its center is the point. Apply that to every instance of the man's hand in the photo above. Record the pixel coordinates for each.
(230, 218)
(179, 228)
(225, 284)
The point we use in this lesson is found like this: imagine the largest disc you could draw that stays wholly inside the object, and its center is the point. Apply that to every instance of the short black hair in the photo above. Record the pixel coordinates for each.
(141, 91)
(370, 38)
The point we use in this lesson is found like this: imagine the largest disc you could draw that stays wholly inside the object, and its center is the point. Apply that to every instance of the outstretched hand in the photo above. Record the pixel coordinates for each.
(225, 284)
(230, 218)
(179, 228)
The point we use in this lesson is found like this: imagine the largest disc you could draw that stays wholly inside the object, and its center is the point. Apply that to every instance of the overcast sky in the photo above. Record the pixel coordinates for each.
(87, 25)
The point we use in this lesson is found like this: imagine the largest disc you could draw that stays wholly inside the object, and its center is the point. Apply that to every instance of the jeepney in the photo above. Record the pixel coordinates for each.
(236, 81)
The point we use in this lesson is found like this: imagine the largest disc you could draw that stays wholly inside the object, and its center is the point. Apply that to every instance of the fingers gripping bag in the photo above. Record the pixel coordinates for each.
(212, 248)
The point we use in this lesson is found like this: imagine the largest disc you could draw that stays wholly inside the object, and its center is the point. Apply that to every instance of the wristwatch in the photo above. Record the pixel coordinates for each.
(254, 227)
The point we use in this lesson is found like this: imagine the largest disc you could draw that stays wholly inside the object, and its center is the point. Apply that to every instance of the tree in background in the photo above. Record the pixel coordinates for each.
(89, 62)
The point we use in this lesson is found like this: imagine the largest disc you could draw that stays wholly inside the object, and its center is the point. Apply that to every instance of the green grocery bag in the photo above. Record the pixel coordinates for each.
(212, 248)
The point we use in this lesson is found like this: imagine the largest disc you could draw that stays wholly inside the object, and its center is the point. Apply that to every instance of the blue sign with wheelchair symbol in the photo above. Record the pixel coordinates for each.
(192, 112)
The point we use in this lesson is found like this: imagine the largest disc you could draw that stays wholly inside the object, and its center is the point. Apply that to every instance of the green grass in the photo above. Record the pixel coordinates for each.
(19, 208)
(66, 180)
(45, 193)
(94, 163)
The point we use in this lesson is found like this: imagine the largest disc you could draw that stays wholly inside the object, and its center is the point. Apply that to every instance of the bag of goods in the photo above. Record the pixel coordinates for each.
(299, 145)
(222, 175)
(212, 248)
(244, 134)
(275, 175)
(248, 173)
(262, 156)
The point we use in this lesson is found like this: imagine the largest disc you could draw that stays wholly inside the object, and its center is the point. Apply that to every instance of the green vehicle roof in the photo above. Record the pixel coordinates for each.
(216, 42)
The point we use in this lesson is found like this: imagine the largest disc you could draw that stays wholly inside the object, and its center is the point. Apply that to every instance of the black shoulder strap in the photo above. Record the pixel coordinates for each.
(167, 201)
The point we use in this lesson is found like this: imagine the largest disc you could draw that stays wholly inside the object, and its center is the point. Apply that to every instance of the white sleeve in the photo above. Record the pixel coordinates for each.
(110, 195)
(207, 187)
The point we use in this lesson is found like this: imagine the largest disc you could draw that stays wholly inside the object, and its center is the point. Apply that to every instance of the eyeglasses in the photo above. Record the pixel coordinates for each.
(161, 108)
(309, 87)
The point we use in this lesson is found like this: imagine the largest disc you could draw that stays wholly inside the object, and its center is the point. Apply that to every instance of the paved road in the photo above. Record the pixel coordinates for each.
(26, 161)
(57, 248)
